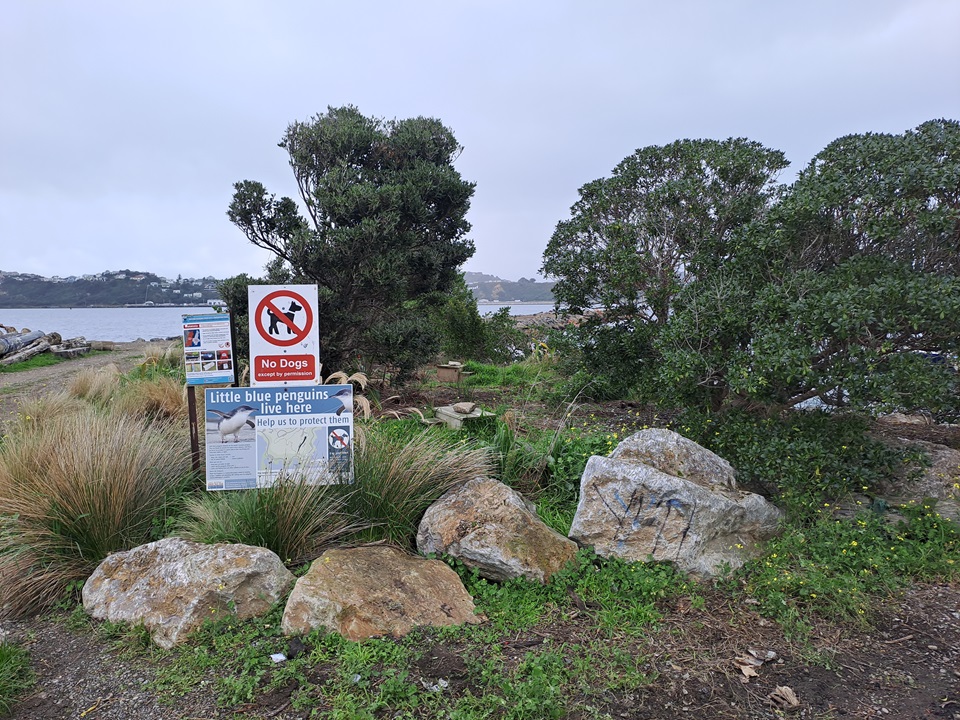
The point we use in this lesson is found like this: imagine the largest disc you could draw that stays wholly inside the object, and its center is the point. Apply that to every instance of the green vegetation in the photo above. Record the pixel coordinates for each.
(727, 299)
(15, 675)
(37, 361)
(721, 289)
(295, 518)
(396, 480)
(384, 235)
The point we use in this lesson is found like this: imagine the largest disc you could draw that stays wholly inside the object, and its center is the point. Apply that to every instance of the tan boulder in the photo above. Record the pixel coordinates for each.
(490, 527)
(171, 586)
(374, 591)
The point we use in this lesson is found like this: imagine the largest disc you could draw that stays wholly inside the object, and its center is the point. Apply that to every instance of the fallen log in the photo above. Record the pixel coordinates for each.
(40, 346)
(18, 342)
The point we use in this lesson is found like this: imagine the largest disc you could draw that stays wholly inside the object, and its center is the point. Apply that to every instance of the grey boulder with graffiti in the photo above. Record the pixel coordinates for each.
(660, 496)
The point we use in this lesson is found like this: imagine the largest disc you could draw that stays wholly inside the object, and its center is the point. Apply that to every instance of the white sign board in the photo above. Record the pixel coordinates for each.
(207, 350)
(284, 337)
(253, 435)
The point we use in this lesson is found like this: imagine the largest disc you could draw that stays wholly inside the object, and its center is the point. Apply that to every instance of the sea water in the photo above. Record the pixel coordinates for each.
(147, 323)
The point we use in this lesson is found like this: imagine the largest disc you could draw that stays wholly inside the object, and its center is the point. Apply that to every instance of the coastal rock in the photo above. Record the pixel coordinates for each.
(673, 454)
(631, 509)
(490, 527)
(374, 591)
(171, 586)
(939, 481)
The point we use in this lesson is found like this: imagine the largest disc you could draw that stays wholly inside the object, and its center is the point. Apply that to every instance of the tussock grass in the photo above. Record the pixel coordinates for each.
(74, 487)
(41, 410)
(161, 397)
(297, 518)
(396, 479)
(162, 360)
(96, 385)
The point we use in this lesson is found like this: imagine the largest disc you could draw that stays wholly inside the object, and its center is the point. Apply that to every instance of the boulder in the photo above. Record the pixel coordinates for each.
(171, 586)
(939, 481)
(633, 505)
(373, 591)
(676, 455)
(490, 527)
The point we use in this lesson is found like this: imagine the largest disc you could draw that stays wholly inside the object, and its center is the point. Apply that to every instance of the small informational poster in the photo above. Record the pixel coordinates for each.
(284, 338)
(254, 435)
(208, 350)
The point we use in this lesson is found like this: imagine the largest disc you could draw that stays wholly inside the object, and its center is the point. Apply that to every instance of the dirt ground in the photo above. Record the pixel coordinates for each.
(28, 384)
(907, 668)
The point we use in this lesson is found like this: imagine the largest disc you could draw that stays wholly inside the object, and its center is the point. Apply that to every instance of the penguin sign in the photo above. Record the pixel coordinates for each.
(284, 341)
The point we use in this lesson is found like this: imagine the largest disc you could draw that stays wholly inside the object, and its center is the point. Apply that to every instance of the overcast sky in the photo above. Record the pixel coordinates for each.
(123, 125)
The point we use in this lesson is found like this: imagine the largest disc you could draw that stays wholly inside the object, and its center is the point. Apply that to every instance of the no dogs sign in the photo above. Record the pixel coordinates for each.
(284, 339)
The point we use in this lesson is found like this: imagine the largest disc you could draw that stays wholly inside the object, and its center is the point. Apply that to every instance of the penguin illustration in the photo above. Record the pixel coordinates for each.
(342, 397)
(232, 421)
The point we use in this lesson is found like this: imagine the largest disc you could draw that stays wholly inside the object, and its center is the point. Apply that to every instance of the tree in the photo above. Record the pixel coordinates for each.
(665, 217)
(383, 235)
(846, 287)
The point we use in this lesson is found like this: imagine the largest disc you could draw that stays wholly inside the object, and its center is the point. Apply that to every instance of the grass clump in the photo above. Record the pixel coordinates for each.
(397, 478)
(161, 397)
(96, 385)
(15, 674)
(295, 518)
(74, 487)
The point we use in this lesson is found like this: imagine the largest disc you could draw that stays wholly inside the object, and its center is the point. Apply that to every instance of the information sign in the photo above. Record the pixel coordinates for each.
(284, 338)
(253, 435)
(207, 349)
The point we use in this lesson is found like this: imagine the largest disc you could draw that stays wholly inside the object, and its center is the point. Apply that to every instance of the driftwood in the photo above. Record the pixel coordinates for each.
(40, 346)
(46, 343)
(15, 343)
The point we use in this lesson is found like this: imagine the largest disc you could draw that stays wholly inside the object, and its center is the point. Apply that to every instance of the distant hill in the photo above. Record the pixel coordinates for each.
(494, 289)
(116, 288)
(111, 288)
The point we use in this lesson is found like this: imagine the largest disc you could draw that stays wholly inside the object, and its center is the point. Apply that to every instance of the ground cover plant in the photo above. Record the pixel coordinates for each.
(37, 361)
(15, 674)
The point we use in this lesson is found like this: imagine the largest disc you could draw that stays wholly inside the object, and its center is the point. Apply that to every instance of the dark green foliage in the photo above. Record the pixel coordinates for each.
(803, 459)
(468, 336)
(383, 237)
(721, 290)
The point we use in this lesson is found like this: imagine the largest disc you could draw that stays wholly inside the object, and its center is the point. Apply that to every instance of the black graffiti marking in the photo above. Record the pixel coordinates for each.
(631, 515)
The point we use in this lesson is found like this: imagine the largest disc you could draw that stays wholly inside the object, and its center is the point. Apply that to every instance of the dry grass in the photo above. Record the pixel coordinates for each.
(96, 385)
(360, 402)
(396, 480)
(161, 397)
(75, 486)
(169, 358)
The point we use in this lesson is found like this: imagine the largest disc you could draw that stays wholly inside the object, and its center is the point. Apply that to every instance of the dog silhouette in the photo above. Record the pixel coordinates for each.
(274, 329)
(291, 311)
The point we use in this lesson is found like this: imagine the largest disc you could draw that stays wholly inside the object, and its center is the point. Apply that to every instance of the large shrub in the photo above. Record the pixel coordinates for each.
(721, 289)
(383, 235)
